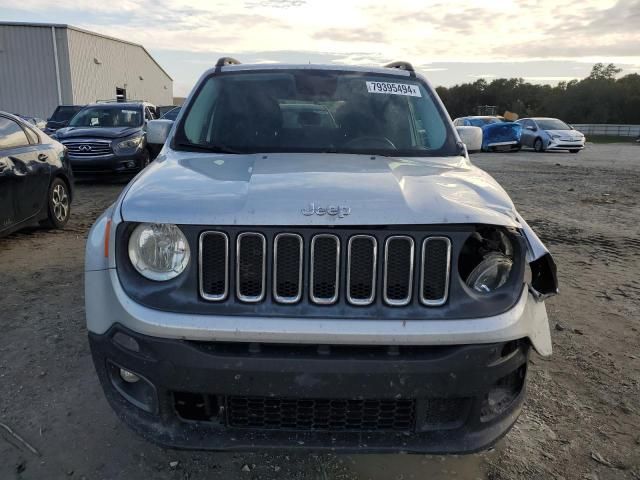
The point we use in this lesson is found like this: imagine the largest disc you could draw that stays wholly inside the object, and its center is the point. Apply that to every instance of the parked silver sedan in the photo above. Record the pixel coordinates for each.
(544, 134)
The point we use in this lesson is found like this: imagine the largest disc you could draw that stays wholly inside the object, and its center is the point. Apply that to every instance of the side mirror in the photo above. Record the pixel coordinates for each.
(158, 131)
(471, 137)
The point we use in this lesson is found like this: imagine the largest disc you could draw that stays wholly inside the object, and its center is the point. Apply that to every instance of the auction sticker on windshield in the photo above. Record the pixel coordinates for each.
(394, 88)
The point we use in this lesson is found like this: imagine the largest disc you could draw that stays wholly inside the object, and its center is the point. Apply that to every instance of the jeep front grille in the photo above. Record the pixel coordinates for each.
(325, 268)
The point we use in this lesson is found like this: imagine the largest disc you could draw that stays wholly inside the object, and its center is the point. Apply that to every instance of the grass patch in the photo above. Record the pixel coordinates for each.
(609, 139)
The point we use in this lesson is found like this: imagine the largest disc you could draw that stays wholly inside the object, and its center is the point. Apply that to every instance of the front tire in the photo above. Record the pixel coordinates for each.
(146, 159)
(58, 204)
(538, 145)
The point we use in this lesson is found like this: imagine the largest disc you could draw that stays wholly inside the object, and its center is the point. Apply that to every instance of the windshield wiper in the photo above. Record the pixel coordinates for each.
(213, 148)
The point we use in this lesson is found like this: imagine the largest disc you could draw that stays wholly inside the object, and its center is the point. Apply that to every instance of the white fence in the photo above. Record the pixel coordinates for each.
(606, 129)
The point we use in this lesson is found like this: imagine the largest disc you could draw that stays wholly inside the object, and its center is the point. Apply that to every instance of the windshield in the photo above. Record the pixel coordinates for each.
(552, 124)
(481, 121)
(64, 114)
(171, 114)
(315, 111)
(108, 116)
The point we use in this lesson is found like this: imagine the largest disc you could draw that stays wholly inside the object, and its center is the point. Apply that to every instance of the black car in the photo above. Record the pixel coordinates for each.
(36, 183)
(60, 117)
(108, 138)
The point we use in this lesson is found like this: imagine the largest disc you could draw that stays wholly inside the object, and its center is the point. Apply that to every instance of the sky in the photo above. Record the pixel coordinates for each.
(542, 41)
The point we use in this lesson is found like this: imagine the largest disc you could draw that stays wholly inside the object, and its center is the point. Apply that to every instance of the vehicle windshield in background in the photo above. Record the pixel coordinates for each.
(171, 114)
(552, 124)
(64, 114)
(108, 116)
(481, 122)
(315, 111)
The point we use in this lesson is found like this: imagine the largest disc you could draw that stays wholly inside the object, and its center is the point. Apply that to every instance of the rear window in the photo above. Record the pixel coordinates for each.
(315, 111)
(64, 114)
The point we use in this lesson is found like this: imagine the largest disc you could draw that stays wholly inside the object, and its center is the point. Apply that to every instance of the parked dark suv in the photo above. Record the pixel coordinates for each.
(108, 138)
(61, 117)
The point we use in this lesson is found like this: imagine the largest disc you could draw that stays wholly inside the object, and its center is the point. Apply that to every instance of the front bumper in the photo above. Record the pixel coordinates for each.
(505, 145)
(565, 145)
(446, 395)
(107, 164)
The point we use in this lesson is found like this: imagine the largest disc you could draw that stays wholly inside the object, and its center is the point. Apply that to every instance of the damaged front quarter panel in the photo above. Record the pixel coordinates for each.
(544, 277)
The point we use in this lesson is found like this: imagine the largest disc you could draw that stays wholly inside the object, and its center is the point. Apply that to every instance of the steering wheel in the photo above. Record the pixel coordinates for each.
(369, 141)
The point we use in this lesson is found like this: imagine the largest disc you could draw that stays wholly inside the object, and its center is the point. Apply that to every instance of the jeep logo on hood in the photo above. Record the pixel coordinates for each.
(340, 211)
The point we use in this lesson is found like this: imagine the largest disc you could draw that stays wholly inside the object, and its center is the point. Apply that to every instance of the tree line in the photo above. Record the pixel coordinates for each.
(599, 98)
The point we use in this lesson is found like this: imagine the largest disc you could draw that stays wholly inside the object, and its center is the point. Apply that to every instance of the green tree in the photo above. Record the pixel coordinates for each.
(600, 71)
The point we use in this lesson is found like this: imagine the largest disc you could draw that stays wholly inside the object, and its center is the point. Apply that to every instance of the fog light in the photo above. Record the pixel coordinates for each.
(131, 164)
(502, 394)
(133, 387)
(128, 376)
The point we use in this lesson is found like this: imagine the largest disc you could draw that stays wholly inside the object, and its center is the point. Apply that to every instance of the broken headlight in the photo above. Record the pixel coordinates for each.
(491, 273)
(158, 251)
(486, 260)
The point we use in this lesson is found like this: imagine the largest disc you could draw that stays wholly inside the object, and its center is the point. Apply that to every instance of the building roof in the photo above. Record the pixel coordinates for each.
(81, 30)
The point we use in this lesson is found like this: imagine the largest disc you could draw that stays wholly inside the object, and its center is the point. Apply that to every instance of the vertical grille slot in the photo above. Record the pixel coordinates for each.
(287, 268)
(398, 270)
(214, 266)
(362, 256)
(434, 278)
(251, 249)
(325, 269)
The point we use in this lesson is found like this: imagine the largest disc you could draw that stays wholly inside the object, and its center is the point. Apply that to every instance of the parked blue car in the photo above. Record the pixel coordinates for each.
(498, 134)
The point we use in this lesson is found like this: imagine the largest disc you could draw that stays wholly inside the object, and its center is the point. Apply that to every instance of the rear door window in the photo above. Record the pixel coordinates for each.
(11, 134)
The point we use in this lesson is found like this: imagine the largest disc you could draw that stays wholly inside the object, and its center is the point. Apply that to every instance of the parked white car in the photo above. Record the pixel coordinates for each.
(544, 134)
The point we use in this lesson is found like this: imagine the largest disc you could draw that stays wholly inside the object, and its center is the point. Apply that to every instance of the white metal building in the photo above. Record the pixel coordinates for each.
(46, 65)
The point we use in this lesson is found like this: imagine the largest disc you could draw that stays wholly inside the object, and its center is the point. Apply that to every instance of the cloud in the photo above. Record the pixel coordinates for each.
(433, 34)
(356, 35)
(274, 3)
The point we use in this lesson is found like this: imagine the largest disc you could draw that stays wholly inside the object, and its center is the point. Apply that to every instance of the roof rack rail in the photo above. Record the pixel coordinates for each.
(226, 61)
(400, 66)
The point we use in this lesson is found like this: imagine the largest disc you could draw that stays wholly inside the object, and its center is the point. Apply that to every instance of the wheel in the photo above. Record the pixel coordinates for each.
(574, 150)
(538, 146)
(146, 159)
(58, 204)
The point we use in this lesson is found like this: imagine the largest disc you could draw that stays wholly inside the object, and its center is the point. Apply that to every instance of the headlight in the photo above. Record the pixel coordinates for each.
(491, 273)
(129, 144)
(158, 251)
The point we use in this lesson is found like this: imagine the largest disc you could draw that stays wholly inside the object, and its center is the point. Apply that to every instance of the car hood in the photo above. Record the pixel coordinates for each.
(92, 132)
(299, 189)
(565, 133)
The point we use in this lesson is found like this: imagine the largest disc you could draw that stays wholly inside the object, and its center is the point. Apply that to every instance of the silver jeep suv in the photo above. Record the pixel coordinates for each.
(313, 262)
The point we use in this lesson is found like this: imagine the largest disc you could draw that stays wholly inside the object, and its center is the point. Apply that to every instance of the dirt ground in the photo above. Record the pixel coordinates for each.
(582, 415)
